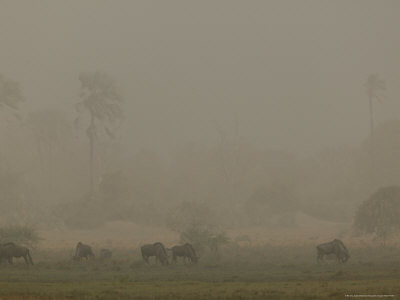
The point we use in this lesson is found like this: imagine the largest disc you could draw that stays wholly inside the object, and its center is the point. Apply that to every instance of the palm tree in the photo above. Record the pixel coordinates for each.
(374, 87)
(101, 101)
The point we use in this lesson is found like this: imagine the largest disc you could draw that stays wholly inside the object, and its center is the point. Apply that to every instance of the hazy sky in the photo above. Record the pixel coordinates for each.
(290, 73)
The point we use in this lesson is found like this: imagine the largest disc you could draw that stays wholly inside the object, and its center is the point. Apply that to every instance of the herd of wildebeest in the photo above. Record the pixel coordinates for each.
(157, 250)
(162, 254)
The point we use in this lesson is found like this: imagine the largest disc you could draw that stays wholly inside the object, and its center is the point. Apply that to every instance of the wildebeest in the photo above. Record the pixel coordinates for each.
(83, 251)
(335, 247)
(157, 250)
(185, 251)
(105, 254)
(10, 250)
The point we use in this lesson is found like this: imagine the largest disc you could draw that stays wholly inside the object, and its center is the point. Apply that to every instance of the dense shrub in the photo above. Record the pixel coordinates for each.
(380, 214)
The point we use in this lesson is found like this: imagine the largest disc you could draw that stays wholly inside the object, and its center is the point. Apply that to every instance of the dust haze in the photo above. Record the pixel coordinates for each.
(219, 123)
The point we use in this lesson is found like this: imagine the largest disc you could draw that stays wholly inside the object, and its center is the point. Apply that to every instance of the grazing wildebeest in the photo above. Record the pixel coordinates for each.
(335, 247)
(105, 254)
(185, 251)
(157, 250)
(83, 251)
(10, 250)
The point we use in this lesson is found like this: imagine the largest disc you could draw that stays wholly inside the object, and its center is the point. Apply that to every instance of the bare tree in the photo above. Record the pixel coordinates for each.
(101, 101)
(374, 87)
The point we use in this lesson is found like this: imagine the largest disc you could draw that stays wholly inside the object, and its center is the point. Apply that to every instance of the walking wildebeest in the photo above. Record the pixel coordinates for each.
(10, 250)
(335, 247)
(157, 250)
(83, 251)
(105, 254)
(185, 251)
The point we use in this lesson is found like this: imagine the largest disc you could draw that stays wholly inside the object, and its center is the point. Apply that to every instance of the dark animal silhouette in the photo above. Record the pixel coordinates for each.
(105, 254)
(335, 247)
(157, 250)
(185, 251)
(10, 250)
(83, 251)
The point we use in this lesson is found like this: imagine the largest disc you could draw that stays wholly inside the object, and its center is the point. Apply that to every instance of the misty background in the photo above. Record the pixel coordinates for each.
(248, 111)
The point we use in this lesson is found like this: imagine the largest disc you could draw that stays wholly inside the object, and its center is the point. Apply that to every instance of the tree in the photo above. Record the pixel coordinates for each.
(10, 95)
(387, 154)
(101, 101)
(380, 214)
(50, 128)
(374, 86)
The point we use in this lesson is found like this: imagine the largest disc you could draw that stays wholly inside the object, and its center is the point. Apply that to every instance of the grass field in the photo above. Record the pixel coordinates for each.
(238, 272)
(197, 290)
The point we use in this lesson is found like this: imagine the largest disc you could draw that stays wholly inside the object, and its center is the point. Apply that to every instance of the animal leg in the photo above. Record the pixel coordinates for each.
(26, 260)
(146, 259)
